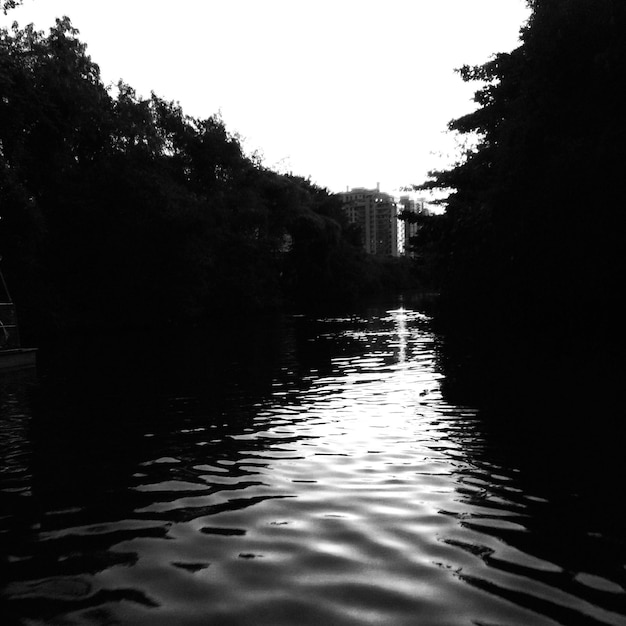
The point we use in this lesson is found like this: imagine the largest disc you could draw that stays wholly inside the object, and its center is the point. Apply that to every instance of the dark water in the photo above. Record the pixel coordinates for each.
(312, 470)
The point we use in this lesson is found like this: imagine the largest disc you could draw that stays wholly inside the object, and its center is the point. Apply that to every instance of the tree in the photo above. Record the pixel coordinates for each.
(120, 210)
(7, 5)
(534, 224)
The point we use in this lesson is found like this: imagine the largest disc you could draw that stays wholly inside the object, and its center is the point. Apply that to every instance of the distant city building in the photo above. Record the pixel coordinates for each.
(408, 228)
(376, 215)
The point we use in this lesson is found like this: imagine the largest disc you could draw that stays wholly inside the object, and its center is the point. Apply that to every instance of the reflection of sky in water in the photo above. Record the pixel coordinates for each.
(348, 493)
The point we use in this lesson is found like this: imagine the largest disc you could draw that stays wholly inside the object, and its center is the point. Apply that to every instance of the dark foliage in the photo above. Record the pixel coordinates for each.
(534, 224)
(7, 5)
(122, 211)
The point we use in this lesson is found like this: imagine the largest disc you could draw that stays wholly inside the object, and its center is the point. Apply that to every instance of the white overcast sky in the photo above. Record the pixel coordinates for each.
(348, 92)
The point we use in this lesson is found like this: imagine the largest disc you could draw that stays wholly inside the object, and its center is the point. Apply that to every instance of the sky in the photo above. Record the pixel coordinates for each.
(348, 93)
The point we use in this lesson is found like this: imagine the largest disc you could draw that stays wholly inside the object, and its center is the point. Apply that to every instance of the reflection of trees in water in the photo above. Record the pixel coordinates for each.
(549, 463)
(131, 439)
(114, 413)
(104, 411)
(14, 443)
(545, 545)
(133, 434)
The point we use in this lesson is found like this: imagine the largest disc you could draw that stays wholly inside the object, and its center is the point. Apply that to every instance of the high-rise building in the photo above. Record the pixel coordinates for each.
(376, 215)
(409, 226)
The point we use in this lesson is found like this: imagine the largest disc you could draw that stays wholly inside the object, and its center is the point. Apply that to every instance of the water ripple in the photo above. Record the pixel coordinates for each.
(347, 492)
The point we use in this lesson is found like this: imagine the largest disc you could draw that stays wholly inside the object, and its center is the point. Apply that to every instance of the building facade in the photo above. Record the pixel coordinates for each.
(408, 227)
(376, 215)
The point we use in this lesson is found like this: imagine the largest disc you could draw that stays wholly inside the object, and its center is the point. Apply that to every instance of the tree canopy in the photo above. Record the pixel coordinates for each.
(534, 222)
(118, 209)
(6, 5)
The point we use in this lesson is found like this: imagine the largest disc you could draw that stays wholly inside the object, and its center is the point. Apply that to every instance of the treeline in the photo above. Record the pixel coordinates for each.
(532, 237)
(118, 210)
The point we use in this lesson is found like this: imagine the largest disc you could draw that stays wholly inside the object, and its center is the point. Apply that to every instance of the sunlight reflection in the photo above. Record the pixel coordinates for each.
(399, 317)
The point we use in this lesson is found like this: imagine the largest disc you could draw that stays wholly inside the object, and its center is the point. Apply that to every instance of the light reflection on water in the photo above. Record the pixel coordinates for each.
(344, 490)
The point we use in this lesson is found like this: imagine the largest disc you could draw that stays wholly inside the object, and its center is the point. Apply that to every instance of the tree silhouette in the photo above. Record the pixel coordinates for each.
(120, 210)
(534, 223)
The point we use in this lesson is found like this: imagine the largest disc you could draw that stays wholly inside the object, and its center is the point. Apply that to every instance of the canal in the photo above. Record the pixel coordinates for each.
(310, 469)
